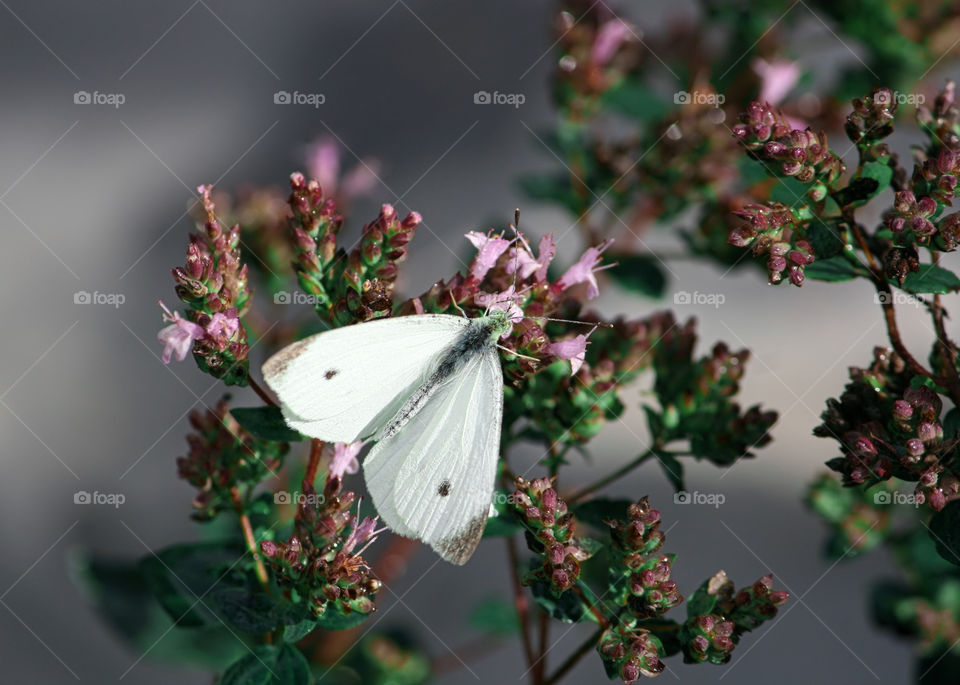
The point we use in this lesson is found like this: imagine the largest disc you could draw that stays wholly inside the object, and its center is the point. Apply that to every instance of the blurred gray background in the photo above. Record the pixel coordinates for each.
(92, 198)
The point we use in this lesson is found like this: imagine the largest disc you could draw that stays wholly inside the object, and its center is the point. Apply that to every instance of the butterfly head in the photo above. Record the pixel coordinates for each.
(499, 324)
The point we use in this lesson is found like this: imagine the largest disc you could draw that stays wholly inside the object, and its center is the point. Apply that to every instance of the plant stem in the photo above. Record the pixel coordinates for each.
(572, 660)
(249, 537)
(257, 388)
(544, 629)
(520, 602)
(606, 480)
(316, 449)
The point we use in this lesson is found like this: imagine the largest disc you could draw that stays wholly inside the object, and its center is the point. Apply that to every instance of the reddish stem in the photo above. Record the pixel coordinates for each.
(520, 602)
(261, 392)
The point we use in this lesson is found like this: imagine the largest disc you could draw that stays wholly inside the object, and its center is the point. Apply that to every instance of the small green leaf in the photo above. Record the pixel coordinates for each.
(266, 423)
(825, 239)
(831, 270)
(596, 512)
(495, 617)
(945, 531)
(298, 622)
(641, 274)
(248, 610)
(874, 178)
(790, 192)
(931, 279)
(951, 423)
(568, 607)
(332, 619)
(632, 97)
(672, 469)
(701, 602)
(269, 665)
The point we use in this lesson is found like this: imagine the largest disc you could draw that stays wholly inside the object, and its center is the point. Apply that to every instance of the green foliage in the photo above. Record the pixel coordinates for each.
(266, 423)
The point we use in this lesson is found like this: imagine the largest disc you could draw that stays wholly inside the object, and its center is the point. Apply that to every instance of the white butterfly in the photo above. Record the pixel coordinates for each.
(429, 389)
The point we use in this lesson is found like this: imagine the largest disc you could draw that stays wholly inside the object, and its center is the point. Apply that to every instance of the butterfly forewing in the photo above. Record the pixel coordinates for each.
(343, 384)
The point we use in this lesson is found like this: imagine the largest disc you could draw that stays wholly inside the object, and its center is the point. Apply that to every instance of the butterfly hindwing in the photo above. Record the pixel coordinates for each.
(434, 479)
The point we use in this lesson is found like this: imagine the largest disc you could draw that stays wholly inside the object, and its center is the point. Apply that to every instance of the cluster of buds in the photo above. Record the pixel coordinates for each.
(550, 534)
(909, 221)
(629, 652)
(322, 561)
(214, 285)
(696, 398)
(775, 230)
(899, 262)
(889, 426)
(804, 155)
(222, 457)
(647, 589)
(712, 635)
(942, 122)
(710, 639)
(346, 287)
(872, 121)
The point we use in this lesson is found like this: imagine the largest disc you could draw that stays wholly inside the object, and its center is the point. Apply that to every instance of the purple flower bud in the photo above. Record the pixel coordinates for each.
(902, 410)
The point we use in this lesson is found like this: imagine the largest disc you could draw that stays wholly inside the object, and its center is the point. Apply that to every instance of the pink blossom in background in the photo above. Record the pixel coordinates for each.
(344, 458)
(178, 337)
(777, 78)
(610, 36)
(489, 249)
(323, 165)
(584, 271)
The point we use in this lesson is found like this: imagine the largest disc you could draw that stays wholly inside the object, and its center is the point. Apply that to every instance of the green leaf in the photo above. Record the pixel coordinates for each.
(701, 602)
(951, 423)
(831, 270)
(568, 607)
(249, 610)
(298, 622)
(495, 617)
(790, 192)
(825, 239)
(931, 279)
(266, 423)
(672, 469)
(874, 178)
(119, 593)
(180, 574)
(597, 512)
(269, 665)
(641, 274)
(505, 523)
(635, 99)
(332, 619)
(945, 531)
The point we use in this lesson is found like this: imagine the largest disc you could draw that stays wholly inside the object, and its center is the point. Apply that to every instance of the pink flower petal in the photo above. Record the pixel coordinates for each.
(178, 337)
(777, 78)
(489, 249)
(344, 458)
(608, 40)
(572, 349)
(583, 271)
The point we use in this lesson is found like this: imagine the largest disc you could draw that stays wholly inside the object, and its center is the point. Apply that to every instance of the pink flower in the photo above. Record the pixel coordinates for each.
(178, 337)
(572, 349)
(489, 249)
(363, 532)
(608, 40)
(344, 458)
(584, 271)
(777, 78)
(223, 326)
(522, 259)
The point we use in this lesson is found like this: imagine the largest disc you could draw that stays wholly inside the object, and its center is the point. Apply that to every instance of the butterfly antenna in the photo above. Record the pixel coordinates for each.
(595, 324)
(456, 305)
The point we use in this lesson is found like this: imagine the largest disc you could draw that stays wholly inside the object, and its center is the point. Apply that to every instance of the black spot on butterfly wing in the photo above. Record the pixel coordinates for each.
(330, 373)
(444, 488)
